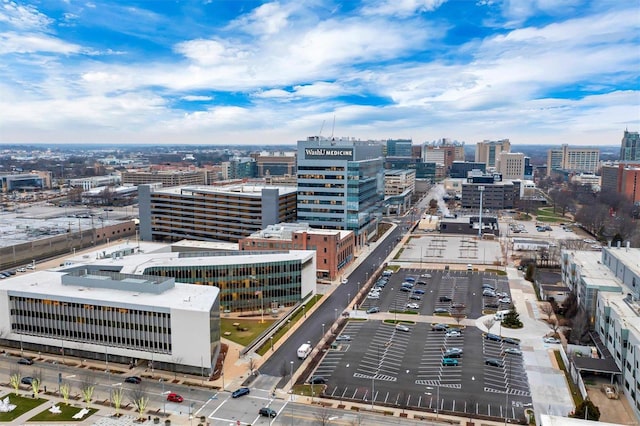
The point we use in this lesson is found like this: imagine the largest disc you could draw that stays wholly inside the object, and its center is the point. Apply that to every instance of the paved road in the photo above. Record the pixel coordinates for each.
(279, 364)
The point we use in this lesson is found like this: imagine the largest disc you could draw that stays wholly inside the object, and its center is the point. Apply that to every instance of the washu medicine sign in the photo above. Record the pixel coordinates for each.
(329, 153)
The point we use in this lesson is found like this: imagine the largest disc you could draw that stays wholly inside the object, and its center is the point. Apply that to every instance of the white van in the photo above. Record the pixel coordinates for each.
(499, 316)
(304, 350)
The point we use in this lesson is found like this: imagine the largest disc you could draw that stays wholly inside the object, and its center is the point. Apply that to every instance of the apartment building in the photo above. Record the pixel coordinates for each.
(488, 152)
(169, 176)
(573, 159)
(511, 165)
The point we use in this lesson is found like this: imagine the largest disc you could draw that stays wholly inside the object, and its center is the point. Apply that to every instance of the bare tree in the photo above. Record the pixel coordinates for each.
(547, 309)
(117, 397)
(579, 327)
(489, 323)
(251, 364)
(553, 325)
(140, 400)
(323, 416)
(65, 390)
(14, 380)
(458, 314)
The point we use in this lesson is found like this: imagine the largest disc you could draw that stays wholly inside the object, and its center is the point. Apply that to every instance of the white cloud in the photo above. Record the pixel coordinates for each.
(401, 8)
(11, 42)
(23, 17)
(320, 90)
(517, 11)
(265, 20)
(197, 98)
(273, 94)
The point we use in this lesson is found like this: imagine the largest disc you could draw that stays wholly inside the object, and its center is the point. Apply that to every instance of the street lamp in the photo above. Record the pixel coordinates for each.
(271, 343)
(348, 299)
(304, 311)
(164, 400)
(335, 314)
(481, 189)
(322, 337)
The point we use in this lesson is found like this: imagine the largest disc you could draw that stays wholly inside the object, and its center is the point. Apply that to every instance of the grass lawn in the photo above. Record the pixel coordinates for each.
(496, 271)
(297, 316)
(545, 214)
(254, 328)
(66, 414)
(22, 404)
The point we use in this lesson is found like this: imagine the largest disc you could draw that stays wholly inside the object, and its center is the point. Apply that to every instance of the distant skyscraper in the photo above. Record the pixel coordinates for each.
(630, 148)
(488, 152)
(399, 148)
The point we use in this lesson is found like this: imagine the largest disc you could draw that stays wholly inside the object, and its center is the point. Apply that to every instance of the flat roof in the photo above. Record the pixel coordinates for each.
(629, 256)
(137, 263)
(248, 190)
(627, 309)
(35, 223)
(49, 283)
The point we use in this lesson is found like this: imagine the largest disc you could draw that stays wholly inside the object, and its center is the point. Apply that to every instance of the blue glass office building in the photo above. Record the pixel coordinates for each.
(340, 185)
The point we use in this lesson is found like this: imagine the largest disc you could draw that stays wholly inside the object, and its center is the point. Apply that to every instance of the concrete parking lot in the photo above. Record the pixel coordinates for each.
(379, 363)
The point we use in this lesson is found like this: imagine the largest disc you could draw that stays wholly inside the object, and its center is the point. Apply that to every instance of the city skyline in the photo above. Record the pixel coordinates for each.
(246, 72)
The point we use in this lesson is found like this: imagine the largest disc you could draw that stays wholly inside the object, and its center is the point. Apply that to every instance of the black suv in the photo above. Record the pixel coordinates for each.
(133, 379)
(493, 362)
(267, 412)
(318, 380)
(445, 299)
(493, 337)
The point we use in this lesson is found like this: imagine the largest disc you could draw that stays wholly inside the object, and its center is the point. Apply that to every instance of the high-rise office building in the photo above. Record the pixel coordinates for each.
(443, 152)
(573, 159)
(622, 178)
(340, 184)
(488, 152)
(630, 148)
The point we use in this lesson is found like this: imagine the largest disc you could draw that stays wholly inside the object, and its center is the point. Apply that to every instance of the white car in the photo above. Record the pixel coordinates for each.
(453, 333)
(505, 300)
(551, 340)
(373, 296)
(344, 281)
(21, 269)
(401, 327)
(413, 306)
(425, 276)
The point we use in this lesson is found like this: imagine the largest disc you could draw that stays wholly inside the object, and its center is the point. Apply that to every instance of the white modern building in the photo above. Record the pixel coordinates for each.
(607, 284)
(112, 316)
(511, 165)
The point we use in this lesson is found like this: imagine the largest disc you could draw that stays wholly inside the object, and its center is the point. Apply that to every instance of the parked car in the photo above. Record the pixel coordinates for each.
(492, 305)
(402, 327)
(505, 300)
(449, 361)
(407, 284)
(551, 340)
(494, 362)
(418, 291)
(373, 310)
(240, 392)
(343, 338)
(21, 269)
(410, 279)
(373, 296)
(344, 281)
(488, 293)
(425, 276)
(493, 337)
(453, 333)
(439, 327)
(133, 379)
(415, 297)
(25, 361)
(267, 412)
(406, 289)
(453, 351)
(26, 380)
(444, 299)
(451, 355)
(413, 306)
(174, 397)
(488, 287)
(458, 305)
(510, 341)
(421, 282)
(317, 380)
(513, 351)
(440, 311)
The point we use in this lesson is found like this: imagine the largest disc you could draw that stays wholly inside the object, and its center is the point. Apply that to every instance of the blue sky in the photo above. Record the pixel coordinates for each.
(248, 72)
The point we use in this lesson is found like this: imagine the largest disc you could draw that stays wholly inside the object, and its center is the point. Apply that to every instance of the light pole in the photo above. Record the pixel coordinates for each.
(291, 363)
(335, 314)
(322, 337)
(271, 338)
(481, 189)
(348, 299)
(164, 400)
(304, 310)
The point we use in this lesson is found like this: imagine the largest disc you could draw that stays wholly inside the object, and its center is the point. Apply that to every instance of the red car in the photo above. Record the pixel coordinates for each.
(174, 397)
